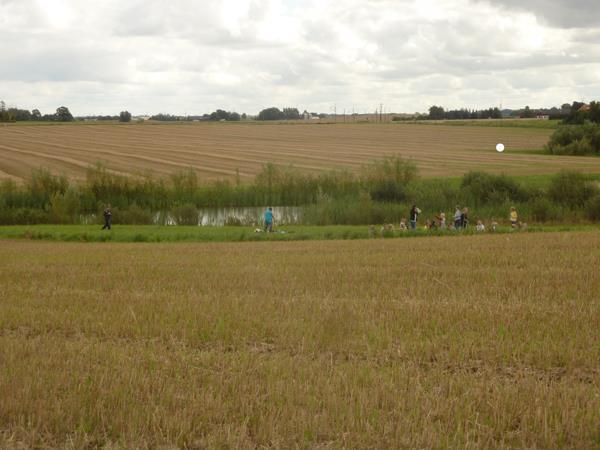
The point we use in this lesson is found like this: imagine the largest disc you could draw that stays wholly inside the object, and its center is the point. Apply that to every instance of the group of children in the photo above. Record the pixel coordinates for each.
(461, 221)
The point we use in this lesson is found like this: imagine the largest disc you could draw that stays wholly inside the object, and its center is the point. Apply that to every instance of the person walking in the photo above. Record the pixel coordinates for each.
(414, 216)
(107, 217)
(457, 218)
(269, 220)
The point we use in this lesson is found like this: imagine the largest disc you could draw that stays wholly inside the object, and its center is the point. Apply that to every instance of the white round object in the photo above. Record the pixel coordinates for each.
(500, 148)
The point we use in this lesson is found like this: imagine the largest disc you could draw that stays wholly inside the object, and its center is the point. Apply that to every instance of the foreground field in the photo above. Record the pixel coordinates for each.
(217, 150)
(479, 341)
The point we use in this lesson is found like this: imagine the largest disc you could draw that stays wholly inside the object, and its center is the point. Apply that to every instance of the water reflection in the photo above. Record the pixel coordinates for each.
(245, 216)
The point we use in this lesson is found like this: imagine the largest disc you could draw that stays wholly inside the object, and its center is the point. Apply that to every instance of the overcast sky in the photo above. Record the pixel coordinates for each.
(191, 56)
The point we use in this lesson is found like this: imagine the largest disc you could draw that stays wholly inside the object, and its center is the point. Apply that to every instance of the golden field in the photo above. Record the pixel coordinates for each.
(217, 150)
(470, 342)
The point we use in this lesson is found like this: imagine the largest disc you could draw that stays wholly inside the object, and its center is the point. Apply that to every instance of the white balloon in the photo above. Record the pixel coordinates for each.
(500, 148)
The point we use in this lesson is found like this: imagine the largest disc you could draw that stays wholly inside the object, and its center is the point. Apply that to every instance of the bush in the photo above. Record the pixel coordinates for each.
(388, 180)
(134, 215)
(480, 188)
(64, 208)
(42, 185)
(23, 216)
(434, 195)
(571, 189)
(575, 140)
(185, 214)
(543, 210)
(353, 211)
(592, 208)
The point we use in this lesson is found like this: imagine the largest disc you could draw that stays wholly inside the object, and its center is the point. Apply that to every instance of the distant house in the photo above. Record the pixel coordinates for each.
(584, 108)
(542, 117)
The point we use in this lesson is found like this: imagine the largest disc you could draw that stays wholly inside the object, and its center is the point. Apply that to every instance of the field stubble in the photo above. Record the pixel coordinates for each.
(216, 151)
(481, 341)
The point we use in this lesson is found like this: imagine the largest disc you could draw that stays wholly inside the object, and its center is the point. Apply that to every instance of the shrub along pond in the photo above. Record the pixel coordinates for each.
(382, 192)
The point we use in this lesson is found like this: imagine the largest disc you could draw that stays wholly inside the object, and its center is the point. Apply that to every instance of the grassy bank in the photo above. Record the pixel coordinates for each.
(470, 342)
(152, 233)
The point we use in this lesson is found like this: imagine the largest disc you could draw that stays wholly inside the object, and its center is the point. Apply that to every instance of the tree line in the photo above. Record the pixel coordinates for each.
(575, 113)
(438, 113)
(14, 114)
(63, 114)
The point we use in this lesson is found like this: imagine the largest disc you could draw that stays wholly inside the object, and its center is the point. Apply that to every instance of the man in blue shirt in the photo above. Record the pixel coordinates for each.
(269, 219)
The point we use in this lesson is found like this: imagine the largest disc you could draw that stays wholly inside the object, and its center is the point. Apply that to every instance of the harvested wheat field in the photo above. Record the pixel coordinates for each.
(217, 150)
(359, 344)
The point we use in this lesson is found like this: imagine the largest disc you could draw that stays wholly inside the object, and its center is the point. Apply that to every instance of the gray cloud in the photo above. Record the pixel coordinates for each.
(558, 13)
(158, 55)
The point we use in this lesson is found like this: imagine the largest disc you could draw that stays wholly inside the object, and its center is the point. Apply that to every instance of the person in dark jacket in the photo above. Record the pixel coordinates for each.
(414, 216)
(107, 218)
(464, 218)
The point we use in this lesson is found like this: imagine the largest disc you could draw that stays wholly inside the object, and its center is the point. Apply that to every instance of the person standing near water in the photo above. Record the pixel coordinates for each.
(464, 218)
(514, 218)
(269, 220)
(457, 218)
(107, 217)
(414, 216)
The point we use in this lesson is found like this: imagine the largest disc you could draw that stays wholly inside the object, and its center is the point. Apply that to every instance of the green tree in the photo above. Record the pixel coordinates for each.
(124, 116)
(19, 114)
(36, 114)
(271, 114)
(4, 116)
(436, 113)
(63, 114)
(220, 114)
(527, 113)
(291, 113)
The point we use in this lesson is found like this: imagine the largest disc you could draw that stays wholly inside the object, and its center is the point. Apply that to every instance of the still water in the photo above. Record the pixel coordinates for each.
(247, 216)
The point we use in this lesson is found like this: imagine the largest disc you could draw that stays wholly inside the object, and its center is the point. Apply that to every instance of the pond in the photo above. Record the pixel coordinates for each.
(247, 216)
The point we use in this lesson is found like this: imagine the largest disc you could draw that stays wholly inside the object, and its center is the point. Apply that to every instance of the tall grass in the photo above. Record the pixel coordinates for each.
(381, 192)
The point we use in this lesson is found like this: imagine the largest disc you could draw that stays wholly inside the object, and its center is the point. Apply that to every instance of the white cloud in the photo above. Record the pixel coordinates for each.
(188, 56)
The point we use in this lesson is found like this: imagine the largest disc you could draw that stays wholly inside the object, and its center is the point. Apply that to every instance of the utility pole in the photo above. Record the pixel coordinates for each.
(381, 112)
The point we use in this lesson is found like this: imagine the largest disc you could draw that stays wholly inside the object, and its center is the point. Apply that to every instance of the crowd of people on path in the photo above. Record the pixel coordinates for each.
(460, 221)
(438, 222)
